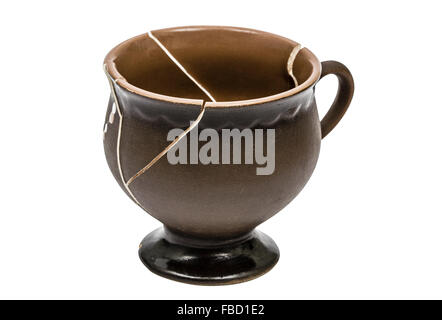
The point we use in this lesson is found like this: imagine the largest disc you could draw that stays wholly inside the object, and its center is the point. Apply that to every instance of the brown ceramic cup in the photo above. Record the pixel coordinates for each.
(222, 78)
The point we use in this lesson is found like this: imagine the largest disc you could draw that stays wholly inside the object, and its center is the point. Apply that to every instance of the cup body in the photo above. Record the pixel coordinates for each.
(245, 69)
(213, 200)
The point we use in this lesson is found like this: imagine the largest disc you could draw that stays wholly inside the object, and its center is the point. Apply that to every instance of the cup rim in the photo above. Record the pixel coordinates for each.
(111, 68)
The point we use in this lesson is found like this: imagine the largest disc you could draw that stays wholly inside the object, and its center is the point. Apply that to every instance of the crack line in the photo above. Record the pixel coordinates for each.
(192, 125)
(120, 125)
(291, 60)
(179, 65)
(170, 146)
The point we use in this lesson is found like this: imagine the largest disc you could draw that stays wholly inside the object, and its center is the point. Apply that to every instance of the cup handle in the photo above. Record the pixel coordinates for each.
(343, 96)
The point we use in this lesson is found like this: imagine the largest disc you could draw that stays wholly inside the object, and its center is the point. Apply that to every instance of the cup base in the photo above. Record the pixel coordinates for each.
(208, 263)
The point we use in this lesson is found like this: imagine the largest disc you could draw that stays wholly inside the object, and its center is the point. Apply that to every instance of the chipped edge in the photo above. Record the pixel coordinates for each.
(110, 120)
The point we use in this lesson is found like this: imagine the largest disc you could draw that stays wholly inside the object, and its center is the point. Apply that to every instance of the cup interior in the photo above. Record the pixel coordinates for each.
(230, 63)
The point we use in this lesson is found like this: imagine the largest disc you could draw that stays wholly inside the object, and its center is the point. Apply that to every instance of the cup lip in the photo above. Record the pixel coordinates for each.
(111, 68)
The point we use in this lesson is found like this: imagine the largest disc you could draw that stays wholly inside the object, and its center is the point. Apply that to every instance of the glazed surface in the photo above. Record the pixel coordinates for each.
(214, 200)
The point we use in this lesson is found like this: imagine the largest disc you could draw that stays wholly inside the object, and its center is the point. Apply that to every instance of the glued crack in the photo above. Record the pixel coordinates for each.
(179, 65)
(291, 60)
(120, 125)
(193, 124)
(170, 146)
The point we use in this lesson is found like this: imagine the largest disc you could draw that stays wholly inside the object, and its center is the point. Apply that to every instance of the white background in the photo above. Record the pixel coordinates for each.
(367, 225)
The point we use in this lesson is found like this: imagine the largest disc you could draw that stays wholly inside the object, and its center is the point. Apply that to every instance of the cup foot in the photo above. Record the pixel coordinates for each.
(197, 262)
